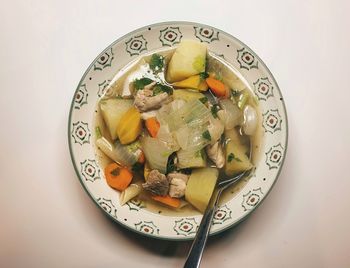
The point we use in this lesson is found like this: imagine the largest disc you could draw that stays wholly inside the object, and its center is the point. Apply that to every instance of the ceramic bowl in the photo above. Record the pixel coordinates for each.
(93, 84)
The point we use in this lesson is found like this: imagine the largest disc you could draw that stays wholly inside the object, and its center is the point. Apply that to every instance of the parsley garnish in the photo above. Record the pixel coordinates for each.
(214, 110)
(159, 88)
(231, 157)
(142, 82)
(203, 100)
(206, 135)
(157, 62)
(203, 75)
(115, 172)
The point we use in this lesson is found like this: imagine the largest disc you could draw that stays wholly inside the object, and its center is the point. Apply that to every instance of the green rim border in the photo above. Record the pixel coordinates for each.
(72, 108)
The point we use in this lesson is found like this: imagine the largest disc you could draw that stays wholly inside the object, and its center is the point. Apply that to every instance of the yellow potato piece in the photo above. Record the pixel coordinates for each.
(200, 187)
(188, 59)
(193, 82)
(130, 126)
(236, 160)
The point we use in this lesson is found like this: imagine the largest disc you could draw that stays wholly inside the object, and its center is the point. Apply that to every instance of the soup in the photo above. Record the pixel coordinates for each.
(171, 124)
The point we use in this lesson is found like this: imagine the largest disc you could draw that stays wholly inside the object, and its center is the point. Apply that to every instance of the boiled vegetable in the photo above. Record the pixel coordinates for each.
(187, 60)
(157, 153)
(117, 177)
(217, 87)
(187, 95)
(152, 126)
(112, 110)
(167, 200)
(193, 82)
(250, 120)
(117, 152)
(130, 192)
(230, 114)
(236, 159)
(200, 187)
(190, 159)
(129, 127)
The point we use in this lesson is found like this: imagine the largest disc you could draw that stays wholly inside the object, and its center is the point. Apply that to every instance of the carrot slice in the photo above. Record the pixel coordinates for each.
(216, 86)
(152, 126)
(118, 177)
(167, 200)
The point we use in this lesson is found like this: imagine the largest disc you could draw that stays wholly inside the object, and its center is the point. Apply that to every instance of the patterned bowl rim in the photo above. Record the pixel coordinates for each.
(243, 217)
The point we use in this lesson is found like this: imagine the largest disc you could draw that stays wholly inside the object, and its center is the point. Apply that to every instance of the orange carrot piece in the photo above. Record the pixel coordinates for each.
(167, 200)
(152, 126)
(118, 177)
(216, 86)
(142, 158)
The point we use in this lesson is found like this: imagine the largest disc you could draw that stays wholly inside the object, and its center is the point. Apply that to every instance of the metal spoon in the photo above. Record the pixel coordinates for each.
(195, 255)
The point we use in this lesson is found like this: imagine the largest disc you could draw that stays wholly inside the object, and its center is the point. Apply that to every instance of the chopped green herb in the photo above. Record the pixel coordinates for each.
(159, 88)
(204, 75)
(142, 82)
(98, 132)
(115, 172)
(157, 62)
(137, 167)
(214, 110)
(231, 157)
(206, 135)
(170, 167)
(203, 100)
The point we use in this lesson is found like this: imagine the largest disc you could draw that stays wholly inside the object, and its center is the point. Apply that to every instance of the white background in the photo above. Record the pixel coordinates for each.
(46, 218)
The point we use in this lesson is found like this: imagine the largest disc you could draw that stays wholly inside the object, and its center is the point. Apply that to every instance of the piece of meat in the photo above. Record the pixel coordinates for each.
(216, 154)
(157, 183)
(149, 114)
(144, 100)
(178, 183)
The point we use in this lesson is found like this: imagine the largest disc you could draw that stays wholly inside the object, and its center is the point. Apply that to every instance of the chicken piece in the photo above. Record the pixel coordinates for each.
(216, 154)
(178, 183)
(149, 114)
(144, 100)
(157, 183)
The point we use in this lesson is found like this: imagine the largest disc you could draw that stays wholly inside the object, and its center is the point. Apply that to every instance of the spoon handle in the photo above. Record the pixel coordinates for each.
(194, 257)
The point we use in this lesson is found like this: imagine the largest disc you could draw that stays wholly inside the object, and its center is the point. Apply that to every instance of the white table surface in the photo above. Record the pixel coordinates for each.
(47, 220)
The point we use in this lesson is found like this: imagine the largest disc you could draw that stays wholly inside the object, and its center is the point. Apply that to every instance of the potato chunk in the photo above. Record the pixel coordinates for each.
(187, 60)
(112, 110)
(200, 187)
(236, 159)
(130, 126)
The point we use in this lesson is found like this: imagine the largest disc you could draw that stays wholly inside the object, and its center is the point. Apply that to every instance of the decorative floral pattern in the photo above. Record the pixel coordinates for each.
(135, 45)
(222, 214)
(251, 199)
(206, 35)
(108, 206)
(89, 170)
(104, 61)
(135, 204)
(104, 88)
(246, 59)
(272, 121)
(274, 156)
(186, 226)
(80, 97)
(80, 133)
(147, 227)
(170, 36)
(263, 88)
